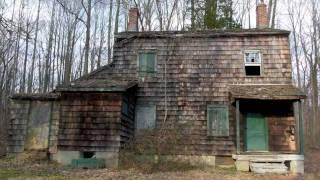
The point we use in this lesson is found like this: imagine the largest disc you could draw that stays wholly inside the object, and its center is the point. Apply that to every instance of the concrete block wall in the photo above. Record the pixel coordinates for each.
(33, 123)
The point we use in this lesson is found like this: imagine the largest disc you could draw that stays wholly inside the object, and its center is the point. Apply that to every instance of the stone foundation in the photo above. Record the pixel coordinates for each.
(297, 167)
(65, 157)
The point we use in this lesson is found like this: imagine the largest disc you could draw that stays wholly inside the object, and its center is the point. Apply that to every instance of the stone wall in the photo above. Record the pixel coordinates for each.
(17, 130)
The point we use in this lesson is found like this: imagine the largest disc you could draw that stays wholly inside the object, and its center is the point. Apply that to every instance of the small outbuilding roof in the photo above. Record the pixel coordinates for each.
(266, 92)
(36, 96)
(99, 85)
(104, 79)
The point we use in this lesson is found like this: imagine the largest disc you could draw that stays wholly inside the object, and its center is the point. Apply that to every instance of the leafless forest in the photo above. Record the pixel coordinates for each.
(44, 43)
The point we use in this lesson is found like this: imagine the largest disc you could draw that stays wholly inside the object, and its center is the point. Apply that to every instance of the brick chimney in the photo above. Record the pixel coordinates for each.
(262, 17)
(133, 19)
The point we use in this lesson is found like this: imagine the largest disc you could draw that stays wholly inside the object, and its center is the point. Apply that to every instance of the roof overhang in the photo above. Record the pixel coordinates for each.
(36, 96)
(203, 34)
(265, 92)
(98, 85)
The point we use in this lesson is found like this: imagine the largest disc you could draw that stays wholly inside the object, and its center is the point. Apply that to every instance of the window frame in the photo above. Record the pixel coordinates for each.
(125, 105)
(150, 50)
(209, 129)
(253, 64)
(154, 116)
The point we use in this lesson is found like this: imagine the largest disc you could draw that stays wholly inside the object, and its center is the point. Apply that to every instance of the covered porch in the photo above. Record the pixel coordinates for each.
(269, 128)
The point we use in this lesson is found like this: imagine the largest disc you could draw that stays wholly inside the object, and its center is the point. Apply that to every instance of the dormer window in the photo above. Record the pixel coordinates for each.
(252, 61)
(147, 62)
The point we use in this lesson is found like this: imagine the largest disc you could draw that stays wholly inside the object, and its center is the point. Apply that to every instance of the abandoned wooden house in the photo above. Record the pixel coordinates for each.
(230, 94)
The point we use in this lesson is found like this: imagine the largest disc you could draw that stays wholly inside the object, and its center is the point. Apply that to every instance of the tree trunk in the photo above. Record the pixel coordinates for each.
(49, 51)
(24, 76)
(17, 50)
(116, 22)
(102, 34)
(109, 32)
(30, 81)
(270, 6)
(274, 14)
(87, 43)
(93, 50)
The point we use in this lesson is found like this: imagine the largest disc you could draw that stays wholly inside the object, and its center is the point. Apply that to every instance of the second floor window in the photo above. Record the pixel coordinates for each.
(147, 62)
(252, 61)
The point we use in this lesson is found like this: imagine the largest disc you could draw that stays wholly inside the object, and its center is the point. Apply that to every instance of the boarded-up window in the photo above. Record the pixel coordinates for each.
(218, 120)
(145, 117)
(147, 62)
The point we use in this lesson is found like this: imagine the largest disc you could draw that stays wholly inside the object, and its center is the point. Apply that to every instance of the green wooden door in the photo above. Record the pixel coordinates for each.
(256, 134)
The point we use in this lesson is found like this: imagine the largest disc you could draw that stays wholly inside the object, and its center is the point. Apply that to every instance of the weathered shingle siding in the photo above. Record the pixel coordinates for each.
(199, 71)
(90, 122)
(127, 120)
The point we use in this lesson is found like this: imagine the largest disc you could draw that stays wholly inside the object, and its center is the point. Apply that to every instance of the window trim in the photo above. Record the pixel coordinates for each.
(253, 64)
(125, 102)
(151, 50)
(151, 106)
(209, 134)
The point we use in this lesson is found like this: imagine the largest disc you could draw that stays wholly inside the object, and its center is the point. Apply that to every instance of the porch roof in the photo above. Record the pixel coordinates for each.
(266, 92)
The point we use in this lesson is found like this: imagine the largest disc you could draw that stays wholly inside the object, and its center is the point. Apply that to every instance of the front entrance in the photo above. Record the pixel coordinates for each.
(256, 132)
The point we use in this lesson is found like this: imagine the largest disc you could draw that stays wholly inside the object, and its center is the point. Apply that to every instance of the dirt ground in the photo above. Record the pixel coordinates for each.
(34, 166)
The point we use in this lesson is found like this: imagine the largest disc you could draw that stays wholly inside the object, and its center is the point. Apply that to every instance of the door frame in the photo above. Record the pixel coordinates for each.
(266, 132)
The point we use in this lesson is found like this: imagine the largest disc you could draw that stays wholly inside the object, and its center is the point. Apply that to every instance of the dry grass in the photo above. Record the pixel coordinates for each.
(35, 166)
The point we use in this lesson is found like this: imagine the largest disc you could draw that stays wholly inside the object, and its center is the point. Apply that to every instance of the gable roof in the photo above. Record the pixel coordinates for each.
(266, 92)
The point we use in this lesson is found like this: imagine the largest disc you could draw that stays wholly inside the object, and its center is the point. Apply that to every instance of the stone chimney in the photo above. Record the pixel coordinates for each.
(133, 19)
(262, 17)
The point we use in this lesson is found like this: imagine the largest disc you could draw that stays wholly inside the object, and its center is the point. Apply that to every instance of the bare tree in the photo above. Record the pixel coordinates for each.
(109, 30)
(23, 83)
(116, 22)
(49, 49)
(31, 73)
(88, 26)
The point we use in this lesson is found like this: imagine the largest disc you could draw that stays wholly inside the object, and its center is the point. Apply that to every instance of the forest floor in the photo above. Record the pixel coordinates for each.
(31, 166)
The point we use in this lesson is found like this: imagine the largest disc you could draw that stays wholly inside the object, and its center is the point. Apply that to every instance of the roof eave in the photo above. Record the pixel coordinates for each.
(97, 89)
(201, 34)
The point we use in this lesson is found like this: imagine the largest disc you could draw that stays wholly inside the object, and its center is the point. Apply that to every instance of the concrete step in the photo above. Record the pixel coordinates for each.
(268, 167)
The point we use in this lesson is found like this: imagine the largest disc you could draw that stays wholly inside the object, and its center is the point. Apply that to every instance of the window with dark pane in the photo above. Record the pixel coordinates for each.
(252, 62)
(147, 62)
(217, 120)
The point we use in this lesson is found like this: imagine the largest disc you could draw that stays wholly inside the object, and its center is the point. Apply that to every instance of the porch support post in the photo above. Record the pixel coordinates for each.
(301, 128)
(238, 126)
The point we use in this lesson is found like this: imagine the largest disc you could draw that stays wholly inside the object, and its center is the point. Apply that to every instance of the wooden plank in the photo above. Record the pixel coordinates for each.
(238, 126)
(301, 128)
